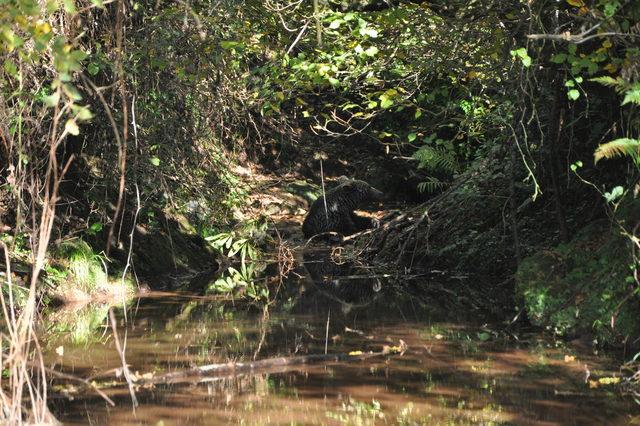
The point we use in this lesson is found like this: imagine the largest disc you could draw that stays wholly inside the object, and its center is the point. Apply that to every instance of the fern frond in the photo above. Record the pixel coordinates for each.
(436, 158)
(618, 147)
(617, 83)
(608, 81)
(431, 185)
(632, 96)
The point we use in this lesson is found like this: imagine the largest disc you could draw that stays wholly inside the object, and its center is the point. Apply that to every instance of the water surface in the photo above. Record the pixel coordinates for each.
(451, 373)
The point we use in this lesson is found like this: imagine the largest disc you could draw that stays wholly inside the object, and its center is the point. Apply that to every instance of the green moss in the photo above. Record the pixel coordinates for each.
(79, 274)
(582, 286)
(85, 267)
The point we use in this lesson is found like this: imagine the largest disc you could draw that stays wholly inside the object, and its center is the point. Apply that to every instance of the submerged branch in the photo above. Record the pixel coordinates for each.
(237, 368)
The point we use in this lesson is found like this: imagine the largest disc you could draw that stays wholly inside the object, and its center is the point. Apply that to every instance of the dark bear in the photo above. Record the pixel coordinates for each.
(335, 211)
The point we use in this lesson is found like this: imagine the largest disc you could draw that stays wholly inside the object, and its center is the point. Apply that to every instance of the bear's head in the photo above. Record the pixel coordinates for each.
(360, 189)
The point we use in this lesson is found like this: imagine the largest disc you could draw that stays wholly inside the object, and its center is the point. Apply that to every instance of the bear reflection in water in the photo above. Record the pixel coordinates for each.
(345, 283)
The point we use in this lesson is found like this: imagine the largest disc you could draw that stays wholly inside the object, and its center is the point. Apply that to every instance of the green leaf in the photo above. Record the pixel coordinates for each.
(575, 166)
(334, 25)
(95, 228)
(93, 68)
(155, 161)
(52, 100)
(610, 8)
(71, 92)
(10, 68)
(484, 336)
(632, 96)
(72, 127)
(84, 114)
(418, 114)
(369, 32)
(385, 101)
(12, 40)
(371, 51)
(229, 44)
(412, 137)
(523, 55)
(559, 58)
(69, 6)
(573, 94)
(615, 193)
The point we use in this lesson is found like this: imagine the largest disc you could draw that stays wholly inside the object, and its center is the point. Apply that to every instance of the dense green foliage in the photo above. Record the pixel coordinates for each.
(128, 110)
(131, 134)
(579, 288)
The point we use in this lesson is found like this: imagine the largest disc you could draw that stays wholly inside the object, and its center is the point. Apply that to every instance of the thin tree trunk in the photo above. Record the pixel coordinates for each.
(512, 203)
(316, 15)
(556, 118)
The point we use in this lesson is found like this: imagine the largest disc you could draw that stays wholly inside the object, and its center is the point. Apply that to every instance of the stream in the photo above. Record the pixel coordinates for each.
(454, 371)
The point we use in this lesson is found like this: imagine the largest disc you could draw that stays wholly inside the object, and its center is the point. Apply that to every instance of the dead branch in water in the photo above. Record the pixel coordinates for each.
(211, 371)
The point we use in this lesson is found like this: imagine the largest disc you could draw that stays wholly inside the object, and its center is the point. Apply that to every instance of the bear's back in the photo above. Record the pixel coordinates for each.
(332, 212)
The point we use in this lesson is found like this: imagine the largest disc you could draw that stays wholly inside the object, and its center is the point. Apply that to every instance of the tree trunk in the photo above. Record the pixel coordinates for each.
(556, 119)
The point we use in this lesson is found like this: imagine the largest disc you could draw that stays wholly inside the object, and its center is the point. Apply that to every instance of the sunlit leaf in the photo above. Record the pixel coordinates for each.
(615, 193)
(632, 96)
(385, 102)
(334, 25)
(72, 127)
(82, 112)
(93, 68)
(69, 6)
(371, 51)
(10, 68)
(576, 3)
(618, 147)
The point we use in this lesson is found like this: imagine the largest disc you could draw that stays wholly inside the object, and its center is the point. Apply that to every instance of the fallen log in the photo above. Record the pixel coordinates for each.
(239, 368)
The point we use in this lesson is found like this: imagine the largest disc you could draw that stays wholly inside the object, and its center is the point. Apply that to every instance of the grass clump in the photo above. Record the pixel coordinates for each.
(84, 273)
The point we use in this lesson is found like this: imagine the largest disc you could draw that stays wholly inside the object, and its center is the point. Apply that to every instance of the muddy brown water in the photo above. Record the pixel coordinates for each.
(453, 372)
